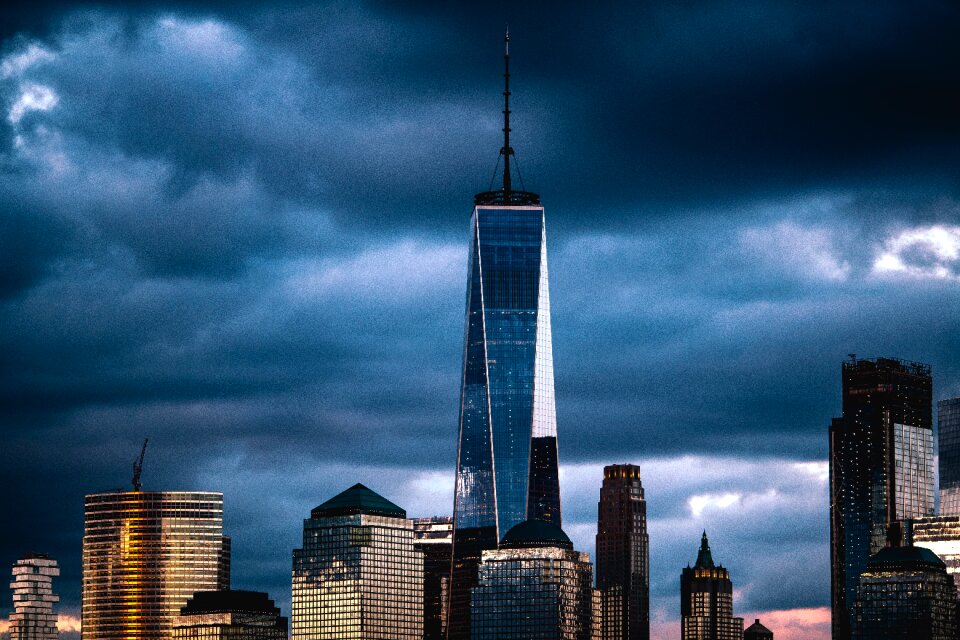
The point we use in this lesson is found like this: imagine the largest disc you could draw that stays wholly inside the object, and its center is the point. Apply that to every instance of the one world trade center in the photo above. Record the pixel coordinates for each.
(507, 449)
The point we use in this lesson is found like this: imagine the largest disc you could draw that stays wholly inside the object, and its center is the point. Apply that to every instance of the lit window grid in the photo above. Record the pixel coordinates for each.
(33, 599)
(948, 439)
(905, 604)
(913, 477)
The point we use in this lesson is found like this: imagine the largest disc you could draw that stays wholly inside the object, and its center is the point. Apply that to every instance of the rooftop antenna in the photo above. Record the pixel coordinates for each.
(138, 466)
(507, 150)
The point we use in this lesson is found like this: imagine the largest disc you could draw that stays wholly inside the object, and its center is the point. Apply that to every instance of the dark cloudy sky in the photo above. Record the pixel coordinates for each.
(241, 230)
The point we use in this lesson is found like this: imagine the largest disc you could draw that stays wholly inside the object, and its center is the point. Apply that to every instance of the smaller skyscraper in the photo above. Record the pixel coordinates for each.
(434, 538)
(623, 556)
(941, 534)
(706, 600)
(948, 422)
(534, 587)
(757, 631)
(358, 574)
(905, 594)
(230, 615)
(33, 598)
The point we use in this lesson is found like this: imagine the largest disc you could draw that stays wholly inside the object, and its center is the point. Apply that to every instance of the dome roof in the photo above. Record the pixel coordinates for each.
(904, 555)
(355, 500)
(535, 533)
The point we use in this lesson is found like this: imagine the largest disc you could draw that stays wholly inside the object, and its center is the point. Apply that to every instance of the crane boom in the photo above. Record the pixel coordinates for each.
(138, 466)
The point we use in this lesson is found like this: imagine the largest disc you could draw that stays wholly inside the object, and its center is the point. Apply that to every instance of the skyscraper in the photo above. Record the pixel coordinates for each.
(358, 574)
(230, 615)
(881, 468)
(33, 617)
(948, 422)
(145, 553)
(623, 556)
(434, 538)
(534, 587)
(507, 447)
(706, 600)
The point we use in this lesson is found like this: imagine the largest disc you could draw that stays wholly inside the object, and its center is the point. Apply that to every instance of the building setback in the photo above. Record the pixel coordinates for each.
(905, 594)
(623, 556)
(33, 598)
(434, 538)
(145, 553)
(706, 600)
(534, 587)
(507, 446)
(358, 574)
(881, 468)
(230, 615)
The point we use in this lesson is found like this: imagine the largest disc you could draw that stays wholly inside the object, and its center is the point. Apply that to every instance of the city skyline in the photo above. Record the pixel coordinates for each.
(221, 232)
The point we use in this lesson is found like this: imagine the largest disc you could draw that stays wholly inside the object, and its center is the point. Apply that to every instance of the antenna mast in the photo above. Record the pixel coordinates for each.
(138, 466)
(507, 150)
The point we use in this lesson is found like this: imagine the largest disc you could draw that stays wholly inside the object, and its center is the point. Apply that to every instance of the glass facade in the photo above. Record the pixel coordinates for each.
(941, 534)
(623, 556)
(434, 538)
(706, 600)
(881, 461)
(145, 553)
(230, 615)
(358, 575)
(507, 451)
(905, 594)
(948, 423)
(33, 598)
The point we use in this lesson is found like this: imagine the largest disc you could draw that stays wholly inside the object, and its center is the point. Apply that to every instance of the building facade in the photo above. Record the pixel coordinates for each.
(507, 447)
(145, 553)
(230, 615)
(358, 574)
(881, 468)
(948, 439)
(706, 600)
(434, 538)
(534, 587)
(623, 556)
(33, 598)
(941, 534)
(905, 594)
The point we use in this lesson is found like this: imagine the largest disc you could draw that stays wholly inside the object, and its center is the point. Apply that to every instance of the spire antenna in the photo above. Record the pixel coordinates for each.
(507, 150)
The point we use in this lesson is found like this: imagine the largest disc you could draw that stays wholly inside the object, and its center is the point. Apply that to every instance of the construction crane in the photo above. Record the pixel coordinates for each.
(138, 466)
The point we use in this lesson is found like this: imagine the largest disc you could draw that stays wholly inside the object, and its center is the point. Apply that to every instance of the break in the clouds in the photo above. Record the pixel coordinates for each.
(241, 230)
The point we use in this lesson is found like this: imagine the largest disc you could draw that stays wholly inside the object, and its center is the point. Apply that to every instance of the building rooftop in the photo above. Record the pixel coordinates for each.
(704, 557)
(756, 627)
(229, 601)
(892, 556)
(358, 499)
(535, 533)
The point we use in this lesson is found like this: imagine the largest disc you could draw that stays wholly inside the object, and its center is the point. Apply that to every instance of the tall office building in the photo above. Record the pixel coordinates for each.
(358, 574)
(230, 615)
(534, 587)
(33, 617)
(507, 447)
(706, 600)
(623, 556)
(434, 538)
(941, 534)
(145, 553)
(881, 468)
(948, 423)
(905, 594)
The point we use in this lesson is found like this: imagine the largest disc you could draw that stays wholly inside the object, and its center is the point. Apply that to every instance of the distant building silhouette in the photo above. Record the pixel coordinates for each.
(358, 574)
(757, 631)
(948, 439)
(230, 615)
(145, 553)
(706, 600)
(623, 556)
(905, 594)
(535, 586)
(33, 598)
(881, 468)
(434, 537)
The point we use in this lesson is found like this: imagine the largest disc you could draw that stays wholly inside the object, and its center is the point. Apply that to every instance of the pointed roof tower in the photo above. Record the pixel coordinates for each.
(358, 499)
(704, 557)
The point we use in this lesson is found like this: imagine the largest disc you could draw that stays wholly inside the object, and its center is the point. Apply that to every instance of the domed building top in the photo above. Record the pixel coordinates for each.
(893, 556)
(358, 500)
(535, 534)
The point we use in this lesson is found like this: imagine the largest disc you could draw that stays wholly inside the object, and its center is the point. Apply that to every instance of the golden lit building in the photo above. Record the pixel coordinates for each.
(145, 553)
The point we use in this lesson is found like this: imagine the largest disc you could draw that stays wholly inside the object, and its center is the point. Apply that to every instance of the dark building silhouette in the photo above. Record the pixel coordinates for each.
(230, 615)
(905, 594)
(434, 537)
(881, 468)
(507, 447)
(757, 631)
(706, 600)
(623, 556)
(948, 439)
(534, 587)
